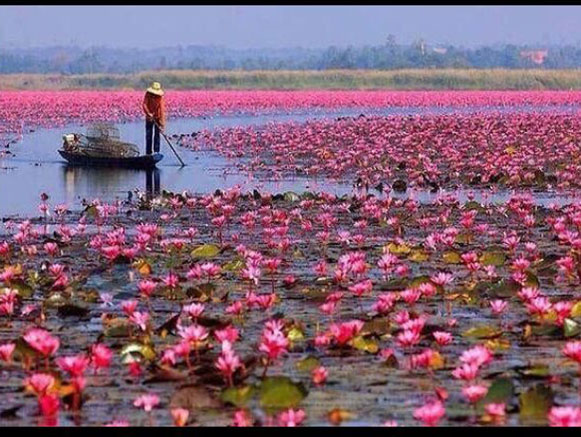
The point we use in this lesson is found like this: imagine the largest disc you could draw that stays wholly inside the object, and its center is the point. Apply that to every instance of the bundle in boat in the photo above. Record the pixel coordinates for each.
(101, 140)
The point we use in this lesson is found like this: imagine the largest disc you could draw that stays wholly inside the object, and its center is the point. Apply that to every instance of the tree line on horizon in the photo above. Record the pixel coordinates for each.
(387, 56)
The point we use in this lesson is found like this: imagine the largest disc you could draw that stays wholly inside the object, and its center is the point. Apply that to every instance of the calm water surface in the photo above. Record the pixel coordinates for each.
(36, 167)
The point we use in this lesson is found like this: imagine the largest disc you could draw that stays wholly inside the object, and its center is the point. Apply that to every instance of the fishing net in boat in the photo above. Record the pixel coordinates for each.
(101, 140)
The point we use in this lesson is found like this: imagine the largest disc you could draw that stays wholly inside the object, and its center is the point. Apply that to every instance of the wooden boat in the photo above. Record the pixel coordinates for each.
(136, 162)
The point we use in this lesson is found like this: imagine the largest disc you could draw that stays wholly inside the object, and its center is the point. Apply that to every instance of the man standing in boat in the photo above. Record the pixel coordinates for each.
(154, 109)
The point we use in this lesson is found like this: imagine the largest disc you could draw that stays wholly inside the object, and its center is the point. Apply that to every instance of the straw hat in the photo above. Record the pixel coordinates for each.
(155, 88)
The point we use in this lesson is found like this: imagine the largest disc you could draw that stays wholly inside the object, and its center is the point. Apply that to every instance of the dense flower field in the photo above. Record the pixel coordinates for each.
(54, 108)
(260, 309)
(306, 308)
(512, 150)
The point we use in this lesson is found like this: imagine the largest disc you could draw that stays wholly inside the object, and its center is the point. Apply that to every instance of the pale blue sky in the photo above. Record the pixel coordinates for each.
(285, 26)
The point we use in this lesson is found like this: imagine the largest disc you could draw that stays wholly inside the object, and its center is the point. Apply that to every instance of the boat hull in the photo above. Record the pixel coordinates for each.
(139, 162)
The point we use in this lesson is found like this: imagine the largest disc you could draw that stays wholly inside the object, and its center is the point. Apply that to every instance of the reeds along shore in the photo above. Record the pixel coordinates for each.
(450, 79)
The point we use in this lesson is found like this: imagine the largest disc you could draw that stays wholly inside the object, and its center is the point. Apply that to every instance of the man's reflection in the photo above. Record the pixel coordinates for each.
(85, 182)
(152, 184)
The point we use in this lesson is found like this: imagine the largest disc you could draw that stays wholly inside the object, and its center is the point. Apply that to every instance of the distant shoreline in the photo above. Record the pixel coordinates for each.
(409, 79)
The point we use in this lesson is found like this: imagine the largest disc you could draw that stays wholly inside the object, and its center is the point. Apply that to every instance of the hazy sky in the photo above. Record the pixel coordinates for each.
(285, 26)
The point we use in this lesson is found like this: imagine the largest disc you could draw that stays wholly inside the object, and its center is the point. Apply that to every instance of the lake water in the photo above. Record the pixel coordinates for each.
(36, 167)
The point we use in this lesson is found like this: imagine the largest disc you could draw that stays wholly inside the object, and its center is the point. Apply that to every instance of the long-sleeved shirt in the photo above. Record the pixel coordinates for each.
(154, 105)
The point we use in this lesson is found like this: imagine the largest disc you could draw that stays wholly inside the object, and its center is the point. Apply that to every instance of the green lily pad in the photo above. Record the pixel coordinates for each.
(144, 350)
(418, 255)
(307, 364)
(571, 328)
(205, 251)
(576, 310)
(419, 280)
(235, 265)
(493, 258)
(500, 391)
(25, 291)
(292, 197)
(238, 396)
(538, 371)
(535, 404)
(281, 392)
(482, 332)
(368, 345)
(451, 257)
(295, 334)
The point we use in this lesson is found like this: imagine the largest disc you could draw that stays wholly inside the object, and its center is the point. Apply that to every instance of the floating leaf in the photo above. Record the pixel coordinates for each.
(418, 256)
(463, 238)
(571, 328)
(117, 327)
(307, 364)
(368, 345)
(72, 310)
(25, 291)
(498, 344)
(398, 249)
(482, 332)
(472, 204)
(144, 350)
(205, 251)
(538, 371)
(436, 361)
(451, 257)
(493, 258)
(143, 267)
(576, 310)
(238, 396)
(281, 392)
(295, 334)
(419, 280)
(535, 404)
(235, 265)
(339, 415)
(504, 288)
(500, 391)
(291, 197)
(194, 398)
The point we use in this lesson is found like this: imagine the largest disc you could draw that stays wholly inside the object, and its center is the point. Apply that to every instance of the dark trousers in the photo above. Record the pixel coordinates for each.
(151, 130)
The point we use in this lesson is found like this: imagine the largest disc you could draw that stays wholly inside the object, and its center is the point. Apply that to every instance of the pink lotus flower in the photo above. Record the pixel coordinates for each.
(431, 413)
(41, 341)
(319, 375)
(194, 310)
(101, 356)
(141, 319)
(361, 288)
(147, 401)
(478, 355)
(291, 417)
(498, 306)
(6, 351)
(564, 416)
(467, 372)
(40, 383)
(344, 332)
(180, 416)
(228, 362)
(74, 365)
(146, 288)
(496, 411)
(474, 392)
(442, 338)
(572, 350)
(241, 419)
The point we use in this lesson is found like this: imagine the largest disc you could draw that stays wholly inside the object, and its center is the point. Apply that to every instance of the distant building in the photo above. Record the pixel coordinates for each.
(536, 56)
(440, 50)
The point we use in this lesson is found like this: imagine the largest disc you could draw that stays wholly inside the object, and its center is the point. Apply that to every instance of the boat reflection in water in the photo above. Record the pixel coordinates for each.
(88, 183)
